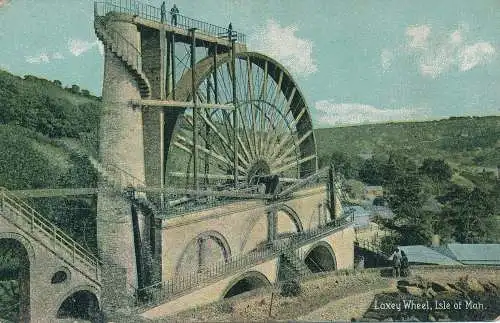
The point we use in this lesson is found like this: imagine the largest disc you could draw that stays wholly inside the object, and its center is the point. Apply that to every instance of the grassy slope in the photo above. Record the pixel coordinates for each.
(460, 141)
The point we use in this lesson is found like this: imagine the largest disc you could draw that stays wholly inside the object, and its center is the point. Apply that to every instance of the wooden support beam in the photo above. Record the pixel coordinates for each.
(179, 104)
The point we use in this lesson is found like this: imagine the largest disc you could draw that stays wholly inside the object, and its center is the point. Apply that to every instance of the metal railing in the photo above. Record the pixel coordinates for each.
(44, 231)
(161, 292)
(153, 13)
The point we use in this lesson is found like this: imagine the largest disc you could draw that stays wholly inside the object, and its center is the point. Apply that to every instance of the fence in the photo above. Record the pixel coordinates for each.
(33, 222)
(152, 13)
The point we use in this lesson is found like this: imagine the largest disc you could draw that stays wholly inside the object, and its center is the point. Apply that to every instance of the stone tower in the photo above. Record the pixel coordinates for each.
(121, 153)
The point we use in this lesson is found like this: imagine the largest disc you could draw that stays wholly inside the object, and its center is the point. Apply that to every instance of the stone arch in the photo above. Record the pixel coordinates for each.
(320, 257)
(294, 217)
(26, 259)
(244, 283)
(81, 302)
(23, 241)
(194, 251)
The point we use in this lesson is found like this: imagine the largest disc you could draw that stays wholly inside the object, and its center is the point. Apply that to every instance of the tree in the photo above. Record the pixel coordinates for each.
(372, 172)
(472, 214)
(75, 89)
(344, 164)
(437, 169)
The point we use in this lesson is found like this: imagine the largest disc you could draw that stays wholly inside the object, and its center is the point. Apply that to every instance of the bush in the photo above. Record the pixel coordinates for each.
(291, 288)
(225, 307)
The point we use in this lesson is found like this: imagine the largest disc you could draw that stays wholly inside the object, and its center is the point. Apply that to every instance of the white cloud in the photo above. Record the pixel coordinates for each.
(100, 47)
(418, 35)
(282, 44)
(4, 3)
(440, 52)
(79, 46)
(41, 58)
(386, 58)
(332, 114)
(57, 55)
(474, 55)
(456, 37)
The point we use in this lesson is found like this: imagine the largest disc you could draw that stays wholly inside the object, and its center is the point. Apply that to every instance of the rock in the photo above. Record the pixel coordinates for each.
(412, 290)
(444, 318)
(431, 318)
(471, 284)
(418, 281)
(430, 292)
(413, 319)
(439, 287)
(403, 282)
(389, 319)
(454, 288)
(490, 287)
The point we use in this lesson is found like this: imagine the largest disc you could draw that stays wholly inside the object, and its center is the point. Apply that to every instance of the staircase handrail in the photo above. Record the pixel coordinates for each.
(126, 178)
(56, 235)
(164, 290)
(119, 39)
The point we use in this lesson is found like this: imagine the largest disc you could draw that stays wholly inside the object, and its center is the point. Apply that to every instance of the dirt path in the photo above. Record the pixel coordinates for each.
(345, 308)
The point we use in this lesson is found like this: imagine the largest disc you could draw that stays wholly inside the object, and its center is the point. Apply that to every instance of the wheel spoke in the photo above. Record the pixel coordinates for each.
(294, 147)
(295, 163)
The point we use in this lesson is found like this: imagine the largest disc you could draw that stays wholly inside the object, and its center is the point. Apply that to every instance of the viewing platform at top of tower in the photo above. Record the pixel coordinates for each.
(149, 16)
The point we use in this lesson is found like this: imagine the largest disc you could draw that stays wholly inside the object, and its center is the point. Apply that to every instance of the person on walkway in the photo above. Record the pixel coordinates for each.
(230, 32)
(361, 263)
(396, 263)
(163, 12)
(174, 12)
(405, 265)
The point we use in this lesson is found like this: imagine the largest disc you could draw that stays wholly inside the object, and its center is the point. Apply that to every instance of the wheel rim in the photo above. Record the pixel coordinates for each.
(274, 134)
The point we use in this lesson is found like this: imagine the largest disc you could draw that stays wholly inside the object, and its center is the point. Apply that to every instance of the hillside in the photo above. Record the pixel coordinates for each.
(465, 141)
(34, 113)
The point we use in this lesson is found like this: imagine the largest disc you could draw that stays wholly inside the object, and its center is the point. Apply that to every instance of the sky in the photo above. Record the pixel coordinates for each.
(356, 61)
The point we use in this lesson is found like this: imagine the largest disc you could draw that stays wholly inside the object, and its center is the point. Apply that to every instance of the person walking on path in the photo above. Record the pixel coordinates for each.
(405, 265)
(174, 12)
(163, 12)
(396, 263)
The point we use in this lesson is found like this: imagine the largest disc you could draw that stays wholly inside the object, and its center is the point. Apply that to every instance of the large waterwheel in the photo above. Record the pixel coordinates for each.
(273, 129)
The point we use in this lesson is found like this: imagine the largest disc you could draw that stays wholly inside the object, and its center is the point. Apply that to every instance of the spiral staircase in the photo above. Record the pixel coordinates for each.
(125, 51)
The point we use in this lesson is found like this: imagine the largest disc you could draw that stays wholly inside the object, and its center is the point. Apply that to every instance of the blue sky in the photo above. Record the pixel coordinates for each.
(355, 61)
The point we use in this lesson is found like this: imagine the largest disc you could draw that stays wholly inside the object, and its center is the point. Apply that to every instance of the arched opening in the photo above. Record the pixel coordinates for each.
(246, 283)
(79, 305)
(14, 281)
(59, 277)
(205, 249)
(287, 222)
(321, 258)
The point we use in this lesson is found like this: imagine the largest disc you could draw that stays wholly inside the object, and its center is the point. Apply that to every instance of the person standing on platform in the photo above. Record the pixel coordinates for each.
(230, 32)
(174, 12)
(163, 12)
